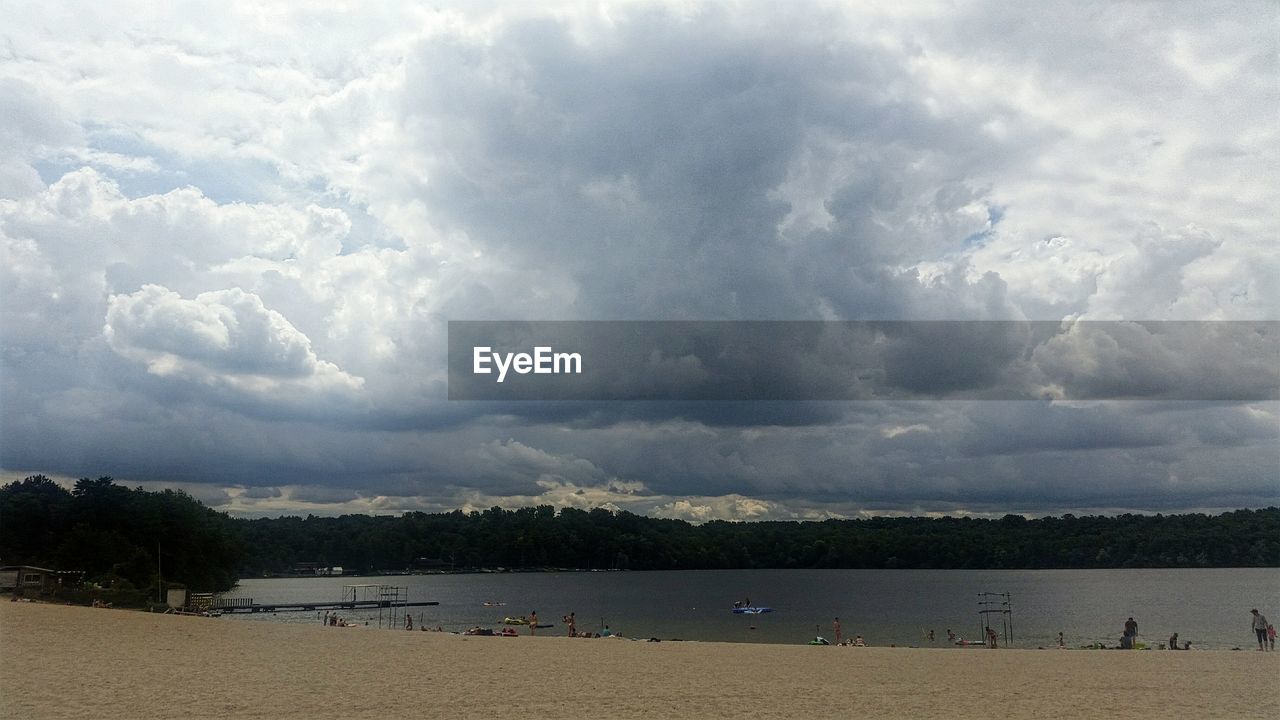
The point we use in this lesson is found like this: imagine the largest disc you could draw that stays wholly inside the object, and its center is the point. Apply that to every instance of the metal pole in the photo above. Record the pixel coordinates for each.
(1009, 599)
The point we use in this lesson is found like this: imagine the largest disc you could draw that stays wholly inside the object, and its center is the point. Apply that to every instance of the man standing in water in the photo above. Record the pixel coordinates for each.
(836, 626)
(533, 623)
(1260, 629)
(1131, 632)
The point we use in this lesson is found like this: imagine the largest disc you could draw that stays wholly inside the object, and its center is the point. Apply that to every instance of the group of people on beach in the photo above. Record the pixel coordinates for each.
(857, 641)
(1264, 631)
(332, 620)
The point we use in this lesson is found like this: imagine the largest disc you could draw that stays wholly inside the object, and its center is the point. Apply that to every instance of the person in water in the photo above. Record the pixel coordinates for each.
(1173, 641)
(951, 636)
(1062, 643)
(836, 626)
(533, 623)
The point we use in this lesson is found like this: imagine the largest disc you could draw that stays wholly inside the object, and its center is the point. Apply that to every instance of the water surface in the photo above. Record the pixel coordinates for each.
(1208, 607)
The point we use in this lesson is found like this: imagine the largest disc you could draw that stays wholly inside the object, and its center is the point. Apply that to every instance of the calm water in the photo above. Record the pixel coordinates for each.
(1210, 608)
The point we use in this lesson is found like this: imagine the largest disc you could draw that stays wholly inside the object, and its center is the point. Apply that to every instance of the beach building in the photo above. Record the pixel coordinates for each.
(29, 580)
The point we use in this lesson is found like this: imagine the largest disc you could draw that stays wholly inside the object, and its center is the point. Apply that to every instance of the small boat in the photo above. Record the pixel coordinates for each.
(752, 610)
(494, 604)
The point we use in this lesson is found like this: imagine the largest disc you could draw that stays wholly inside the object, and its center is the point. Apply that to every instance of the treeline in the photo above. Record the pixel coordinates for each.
(123, 540)
(542, 538)
(113, 534)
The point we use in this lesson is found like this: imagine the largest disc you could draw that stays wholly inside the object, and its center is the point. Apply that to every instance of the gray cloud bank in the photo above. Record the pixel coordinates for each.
(232, 244)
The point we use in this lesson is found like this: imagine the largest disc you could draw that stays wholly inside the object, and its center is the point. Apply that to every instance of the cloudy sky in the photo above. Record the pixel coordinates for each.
(233, 236)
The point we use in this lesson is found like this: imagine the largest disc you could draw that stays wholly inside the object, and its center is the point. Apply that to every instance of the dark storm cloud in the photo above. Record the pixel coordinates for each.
(653, 186)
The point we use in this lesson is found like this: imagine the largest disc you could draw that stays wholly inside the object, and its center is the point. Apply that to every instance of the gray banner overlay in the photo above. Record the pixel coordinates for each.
(904, 360)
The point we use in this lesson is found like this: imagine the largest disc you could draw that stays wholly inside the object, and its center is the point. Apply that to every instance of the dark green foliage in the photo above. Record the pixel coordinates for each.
(113, 534)
(541, 538)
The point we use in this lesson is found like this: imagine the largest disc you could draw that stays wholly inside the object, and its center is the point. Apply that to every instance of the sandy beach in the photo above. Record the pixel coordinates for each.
(76, 662)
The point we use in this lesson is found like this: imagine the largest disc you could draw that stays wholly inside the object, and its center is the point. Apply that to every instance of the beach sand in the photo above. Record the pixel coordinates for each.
(75, 662)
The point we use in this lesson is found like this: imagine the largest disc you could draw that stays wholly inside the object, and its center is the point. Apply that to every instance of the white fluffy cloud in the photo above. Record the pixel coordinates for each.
(225, 336)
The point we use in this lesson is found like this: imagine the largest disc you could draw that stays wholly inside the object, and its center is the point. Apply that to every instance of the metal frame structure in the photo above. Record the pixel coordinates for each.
(389, 599)
(1002, 605)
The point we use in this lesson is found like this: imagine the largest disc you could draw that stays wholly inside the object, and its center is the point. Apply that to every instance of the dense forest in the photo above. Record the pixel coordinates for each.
(541, 537)
(121, 539)
(113, 535)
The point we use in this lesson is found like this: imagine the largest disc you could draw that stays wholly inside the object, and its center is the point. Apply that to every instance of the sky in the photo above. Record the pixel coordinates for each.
(233, 237)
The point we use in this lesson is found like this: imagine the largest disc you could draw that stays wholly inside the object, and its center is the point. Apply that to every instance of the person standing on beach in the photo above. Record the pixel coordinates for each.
(836, 627)
(573, 625)
(1260, 628)
(1062, 642)
(1131, 632)
(992, 640)
(1271, 636)
(533, 623)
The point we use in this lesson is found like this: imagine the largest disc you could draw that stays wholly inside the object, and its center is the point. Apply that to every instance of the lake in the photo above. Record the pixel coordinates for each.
(1208, 607)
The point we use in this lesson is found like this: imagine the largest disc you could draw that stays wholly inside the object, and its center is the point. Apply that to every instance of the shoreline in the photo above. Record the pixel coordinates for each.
(62, 661)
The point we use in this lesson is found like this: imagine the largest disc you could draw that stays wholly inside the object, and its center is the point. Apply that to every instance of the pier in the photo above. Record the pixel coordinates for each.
(226, 605)
(354, 597)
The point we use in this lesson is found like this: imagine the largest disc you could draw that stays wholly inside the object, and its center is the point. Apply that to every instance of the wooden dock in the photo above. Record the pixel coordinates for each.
(230, 605)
